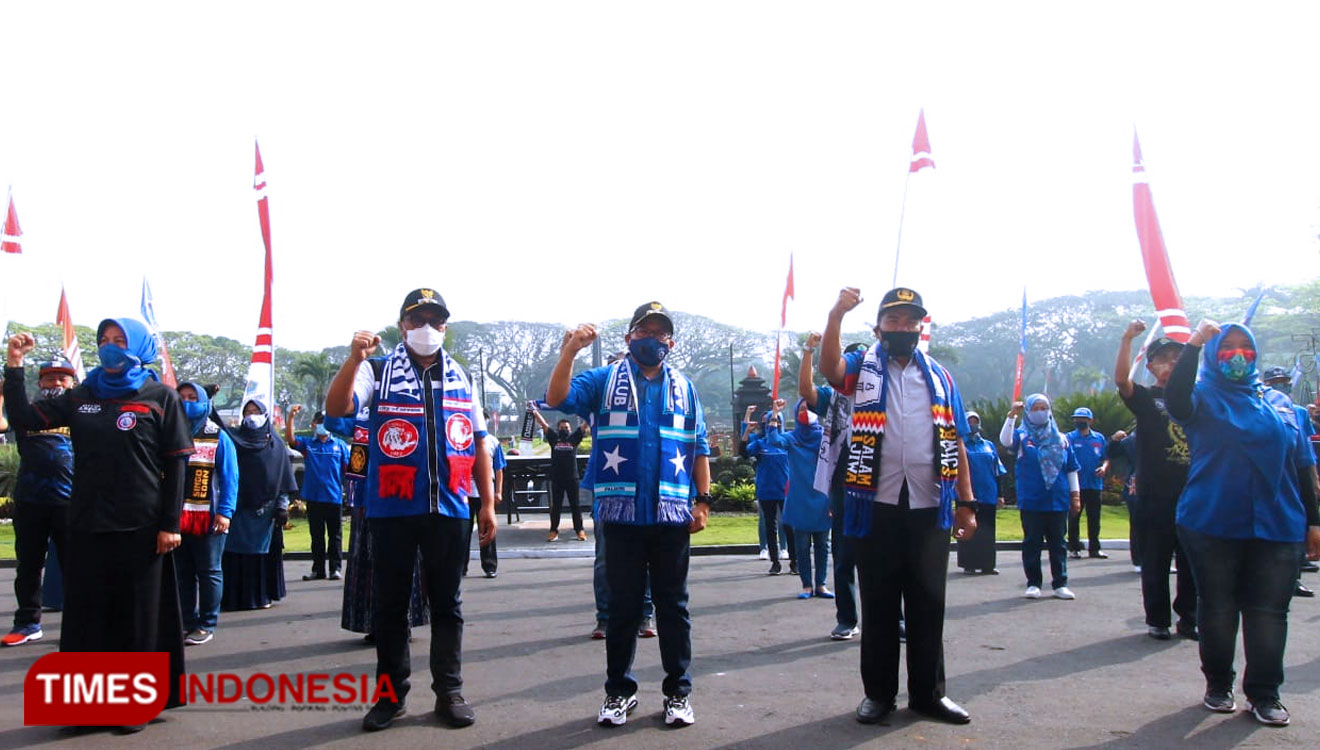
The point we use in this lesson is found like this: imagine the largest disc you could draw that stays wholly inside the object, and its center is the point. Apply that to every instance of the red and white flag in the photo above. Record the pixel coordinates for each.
(783, 321)
(921, 157)
(1159, 273)
(261, 372)
(72, 352)
(9, 241)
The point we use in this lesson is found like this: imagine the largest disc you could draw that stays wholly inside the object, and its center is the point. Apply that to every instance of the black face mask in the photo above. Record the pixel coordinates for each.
(1081, 424)
(899, 343)
(563, 434)
(974, 430)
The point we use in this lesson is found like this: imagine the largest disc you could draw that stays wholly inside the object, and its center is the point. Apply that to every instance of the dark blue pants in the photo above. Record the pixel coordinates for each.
(845, 564)
(602, 585)
(1045, 528)
(1251, 580)
(443, 542)
(326, 524)
(632, 552)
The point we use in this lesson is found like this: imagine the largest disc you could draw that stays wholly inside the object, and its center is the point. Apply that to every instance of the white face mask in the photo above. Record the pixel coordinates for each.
(424, 341)
(254, 421)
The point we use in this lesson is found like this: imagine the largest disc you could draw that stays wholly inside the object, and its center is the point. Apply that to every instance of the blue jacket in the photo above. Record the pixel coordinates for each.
(806, 508)
(324, 462)
(771, 450)
(983, 461)
(1032, 494)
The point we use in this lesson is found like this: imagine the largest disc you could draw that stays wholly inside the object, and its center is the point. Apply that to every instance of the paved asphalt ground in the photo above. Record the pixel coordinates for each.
(1034, 674)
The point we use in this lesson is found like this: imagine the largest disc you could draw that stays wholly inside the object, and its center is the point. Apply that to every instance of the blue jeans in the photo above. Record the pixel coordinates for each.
(804, 541)
(602, 584)
(845, 564)
(1250, 579)
(633, 552)
(1049, 527)
(197, 563)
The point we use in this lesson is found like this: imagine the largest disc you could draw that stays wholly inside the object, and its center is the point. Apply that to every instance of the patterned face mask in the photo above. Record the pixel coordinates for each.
(1237, 364)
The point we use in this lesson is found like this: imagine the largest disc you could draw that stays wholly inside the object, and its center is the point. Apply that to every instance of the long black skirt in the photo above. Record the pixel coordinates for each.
(254, 581)
(119, 595)
(358, 594)
(978, 553)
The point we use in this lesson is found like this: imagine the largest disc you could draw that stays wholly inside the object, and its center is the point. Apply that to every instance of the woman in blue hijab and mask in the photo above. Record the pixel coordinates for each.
(1246, 516)
(131, 442)
(1047, 489)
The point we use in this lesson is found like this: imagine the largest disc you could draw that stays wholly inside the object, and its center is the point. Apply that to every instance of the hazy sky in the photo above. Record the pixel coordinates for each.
(566, 161)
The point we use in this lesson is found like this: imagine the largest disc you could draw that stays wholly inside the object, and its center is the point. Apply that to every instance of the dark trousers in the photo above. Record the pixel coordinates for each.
(845, 564)
(490, 560)
(1044, 527)
(37, 527)
(772, 510)
(1251, 580)
(394, 546)
(1160, 545)
(561, 488)
(1091, 507)
(325, 522)
(1134, 528)
(978, 553)
(904, 560)
(632, 553)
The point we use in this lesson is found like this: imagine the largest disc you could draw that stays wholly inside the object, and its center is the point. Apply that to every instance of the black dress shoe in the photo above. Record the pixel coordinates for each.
(874, 712)
(1302, 591)
(944, 710)
(382, 714)
(1187, 630)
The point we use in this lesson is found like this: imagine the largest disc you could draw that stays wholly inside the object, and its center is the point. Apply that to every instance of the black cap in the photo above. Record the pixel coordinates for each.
(1160, 344)
(900, 297)
(421, 298)
(318, 417)
(1275, 373)
(648, 310)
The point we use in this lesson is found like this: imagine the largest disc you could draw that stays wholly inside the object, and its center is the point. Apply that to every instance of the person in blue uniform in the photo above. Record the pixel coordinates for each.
(978, 553)
(1247, 515)
(41, 504)
(325, 457)
(210, 496)
(1047, 490)
(651, 484)
(770, 449)
(1089, 448)
(807, 509)
(426, 436)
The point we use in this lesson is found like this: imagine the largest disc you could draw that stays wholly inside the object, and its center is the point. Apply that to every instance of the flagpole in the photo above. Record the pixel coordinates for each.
(902, 212)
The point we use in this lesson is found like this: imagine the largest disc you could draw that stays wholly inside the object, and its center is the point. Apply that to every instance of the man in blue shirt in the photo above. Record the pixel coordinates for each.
(426, 438)
(649, 461)
(41, 507)
(1089, 446)
(324, 459)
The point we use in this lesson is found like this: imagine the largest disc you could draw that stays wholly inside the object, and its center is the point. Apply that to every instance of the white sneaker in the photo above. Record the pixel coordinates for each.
(783, 554)
(614, 711)
(678, 710)
(1033, 592)
(765, 554)
(1063, 592)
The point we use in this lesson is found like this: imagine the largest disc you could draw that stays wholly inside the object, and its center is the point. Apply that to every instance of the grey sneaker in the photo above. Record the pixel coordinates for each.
(198, 636)
(843, 633)
(1271, 714)
(1220, 701)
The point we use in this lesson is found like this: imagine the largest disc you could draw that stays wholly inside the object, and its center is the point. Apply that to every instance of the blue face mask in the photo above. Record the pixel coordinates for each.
(1038, 417)
(648, 352)
(194, 409)
(116, 358)
(321, 431)
(1237, 368)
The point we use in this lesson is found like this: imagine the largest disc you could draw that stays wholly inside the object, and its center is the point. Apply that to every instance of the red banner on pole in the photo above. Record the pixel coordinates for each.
(783, 320)
(261, 371)
(9, 241)
(1159, 272)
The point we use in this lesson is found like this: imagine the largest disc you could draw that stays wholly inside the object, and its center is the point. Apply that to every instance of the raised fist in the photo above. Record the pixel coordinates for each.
(577, 339)
(363, 345)
(849, 297)
(1134, 329)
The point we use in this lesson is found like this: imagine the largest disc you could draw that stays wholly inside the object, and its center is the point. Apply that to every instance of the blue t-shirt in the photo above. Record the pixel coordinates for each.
(771, 451)
(1032, 494)
(45, 469)
(1090, 452)
(324, 462)
(986, 468)
(586, 394)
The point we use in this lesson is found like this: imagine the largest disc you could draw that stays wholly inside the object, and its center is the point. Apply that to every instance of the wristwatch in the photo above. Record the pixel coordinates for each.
(964, 504)
(703, 498)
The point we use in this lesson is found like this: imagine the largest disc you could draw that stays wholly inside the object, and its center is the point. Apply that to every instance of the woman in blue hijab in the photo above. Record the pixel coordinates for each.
(131, 441)
(1246, 516)
(1047, 489)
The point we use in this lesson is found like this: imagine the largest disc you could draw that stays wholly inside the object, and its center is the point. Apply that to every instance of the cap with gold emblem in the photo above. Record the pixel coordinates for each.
(422, 298)
(648, 310)
(901, 297)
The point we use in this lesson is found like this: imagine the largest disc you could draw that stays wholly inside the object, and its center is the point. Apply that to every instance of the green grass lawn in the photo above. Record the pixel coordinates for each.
(723, 529)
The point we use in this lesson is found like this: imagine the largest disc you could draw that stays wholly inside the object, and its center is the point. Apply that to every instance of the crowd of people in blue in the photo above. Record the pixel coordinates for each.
(160, 515)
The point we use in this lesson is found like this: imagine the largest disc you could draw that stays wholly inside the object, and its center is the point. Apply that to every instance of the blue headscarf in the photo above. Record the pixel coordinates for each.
(1243, 404)
(203, 408)
(141, 352)
(1050, 445)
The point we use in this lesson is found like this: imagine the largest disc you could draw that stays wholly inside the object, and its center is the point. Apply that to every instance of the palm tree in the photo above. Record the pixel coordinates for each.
(315, 371)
